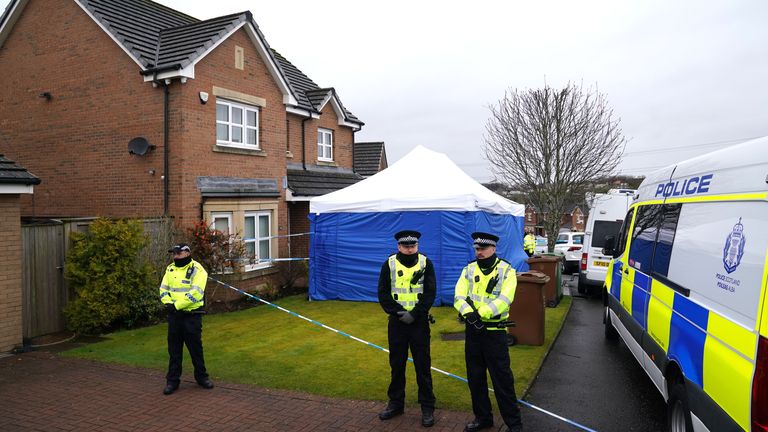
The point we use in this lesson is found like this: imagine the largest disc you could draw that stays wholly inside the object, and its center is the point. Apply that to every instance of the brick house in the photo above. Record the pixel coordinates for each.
(222, 127)
(15, 181)
(572, 220)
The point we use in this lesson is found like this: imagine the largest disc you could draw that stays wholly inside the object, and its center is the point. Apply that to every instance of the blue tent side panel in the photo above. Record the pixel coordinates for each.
(347, 250)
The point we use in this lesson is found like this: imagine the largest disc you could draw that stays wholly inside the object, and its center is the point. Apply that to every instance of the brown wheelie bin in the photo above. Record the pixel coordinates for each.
(527, 310)
(550, 265)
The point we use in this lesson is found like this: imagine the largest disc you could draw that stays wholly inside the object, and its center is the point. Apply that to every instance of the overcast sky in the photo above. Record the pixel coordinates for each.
(684, 77)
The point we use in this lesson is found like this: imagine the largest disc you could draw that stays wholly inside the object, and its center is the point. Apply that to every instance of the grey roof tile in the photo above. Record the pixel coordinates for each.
(315, 183)
(11, 173)
(368, 157)
(163, 38)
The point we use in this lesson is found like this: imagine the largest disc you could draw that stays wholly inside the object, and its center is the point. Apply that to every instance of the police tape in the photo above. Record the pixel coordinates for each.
(347, 335)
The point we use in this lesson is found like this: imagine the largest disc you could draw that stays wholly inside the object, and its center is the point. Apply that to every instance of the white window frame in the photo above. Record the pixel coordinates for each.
(222, 215)
(322, 144)
(243, 125)
(259, 237)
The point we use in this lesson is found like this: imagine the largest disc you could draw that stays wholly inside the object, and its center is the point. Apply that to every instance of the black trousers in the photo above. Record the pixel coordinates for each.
(416, 337)
(185, 328)
(487, 350)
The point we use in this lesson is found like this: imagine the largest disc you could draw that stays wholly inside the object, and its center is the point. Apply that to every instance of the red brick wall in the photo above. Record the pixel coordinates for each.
(342, 138)
(98, 104)
(10, 273)
(299, 224)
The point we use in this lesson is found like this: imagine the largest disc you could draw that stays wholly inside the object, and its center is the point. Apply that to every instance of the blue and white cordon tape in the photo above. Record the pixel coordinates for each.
(317, 323)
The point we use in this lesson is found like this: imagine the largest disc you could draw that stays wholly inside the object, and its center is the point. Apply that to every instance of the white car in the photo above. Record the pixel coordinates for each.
(569, 245)
(541, 245)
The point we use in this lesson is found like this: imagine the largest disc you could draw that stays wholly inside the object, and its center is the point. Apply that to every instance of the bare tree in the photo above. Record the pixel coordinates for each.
(551, 144)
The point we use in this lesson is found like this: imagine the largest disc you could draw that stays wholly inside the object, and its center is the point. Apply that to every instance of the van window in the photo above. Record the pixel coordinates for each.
(578, 239)
(621, 241)
(562, 239)
(719, 254)
(644, 237)
(602, 229)
(663, 251)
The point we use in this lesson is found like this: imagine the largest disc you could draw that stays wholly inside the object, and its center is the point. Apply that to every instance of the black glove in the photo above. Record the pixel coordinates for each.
(170, 308)
(406, 317)
(492, 284)
(473, 319)
(416, 276)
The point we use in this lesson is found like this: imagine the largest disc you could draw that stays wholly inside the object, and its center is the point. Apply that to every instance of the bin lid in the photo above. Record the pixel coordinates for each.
(545, 258)
(533, 276)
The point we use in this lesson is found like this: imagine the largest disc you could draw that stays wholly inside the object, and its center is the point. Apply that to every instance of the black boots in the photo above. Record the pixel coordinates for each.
(476, 425)
(170, 388)
(427, 417)
(390, 411)
(206, 384)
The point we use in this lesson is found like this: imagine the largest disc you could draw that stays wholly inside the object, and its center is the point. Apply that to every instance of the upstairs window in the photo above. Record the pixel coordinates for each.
(237, 125)
(325, 145)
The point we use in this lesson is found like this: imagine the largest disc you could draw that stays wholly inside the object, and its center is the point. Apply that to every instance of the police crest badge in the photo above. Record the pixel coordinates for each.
(734, 247)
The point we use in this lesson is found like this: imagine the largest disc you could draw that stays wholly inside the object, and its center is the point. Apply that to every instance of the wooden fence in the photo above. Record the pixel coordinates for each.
(44, 290)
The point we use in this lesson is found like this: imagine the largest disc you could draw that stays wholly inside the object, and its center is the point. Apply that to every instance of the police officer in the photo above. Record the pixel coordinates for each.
(407, 289)
(483, 293)
(529, 243)
(182, 291)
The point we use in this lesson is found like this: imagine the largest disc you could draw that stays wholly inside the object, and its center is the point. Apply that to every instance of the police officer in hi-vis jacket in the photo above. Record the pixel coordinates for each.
(182, 291)
(483, 293)
(406, 291)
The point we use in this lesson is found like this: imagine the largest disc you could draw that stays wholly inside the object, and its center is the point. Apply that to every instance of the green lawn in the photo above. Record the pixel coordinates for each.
(266, 347)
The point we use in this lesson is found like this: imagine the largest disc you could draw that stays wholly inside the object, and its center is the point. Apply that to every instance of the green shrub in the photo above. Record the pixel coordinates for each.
(114, 285)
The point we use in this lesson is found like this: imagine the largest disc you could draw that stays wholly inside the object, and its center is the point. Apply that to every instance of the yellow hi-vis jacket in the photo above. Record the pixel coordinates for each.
(184, 286)
(494, 306)
(403, 291)
(529, 243)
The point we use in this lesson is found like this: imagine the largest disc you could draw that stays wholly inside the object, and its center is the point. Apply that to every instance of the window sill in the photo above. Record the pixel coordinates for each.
(241, 151)
(327, 163)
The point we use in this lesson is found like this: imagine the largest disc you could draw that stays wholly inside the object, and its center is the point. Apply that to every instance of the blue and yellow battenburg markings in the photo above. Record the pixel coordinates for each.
(714, 352)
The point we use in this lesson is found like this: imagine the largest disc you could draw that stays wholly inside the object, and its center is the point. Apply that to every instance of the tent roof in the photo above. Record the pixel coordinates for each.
(422, 180)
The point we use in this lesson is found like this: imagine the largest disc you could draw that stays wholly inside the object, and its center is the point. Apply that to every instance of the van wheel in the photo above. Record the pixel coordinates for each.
(610, 332)
(678, 413)
(581, 287)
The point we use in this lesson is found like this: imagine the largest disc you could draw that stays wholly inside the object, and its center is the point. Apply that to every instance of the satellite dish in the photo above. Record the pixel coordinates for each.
(139, 146)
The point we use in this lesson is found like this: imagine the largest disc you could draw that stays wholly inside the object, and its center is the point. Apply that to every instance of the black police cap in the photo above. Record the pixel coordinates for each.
(180, 247)
(407, 237)
(484, 239)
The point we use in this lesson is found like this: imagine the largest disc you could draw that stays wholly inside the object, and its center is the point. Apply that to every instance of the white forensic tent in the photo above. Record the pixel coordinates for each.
(353, 228)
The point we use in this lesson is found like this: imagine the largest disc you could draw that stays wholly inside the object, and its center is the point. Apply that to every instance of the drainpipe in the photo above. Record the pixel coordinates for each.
(166, 163)
(304, 141)
(353, 150)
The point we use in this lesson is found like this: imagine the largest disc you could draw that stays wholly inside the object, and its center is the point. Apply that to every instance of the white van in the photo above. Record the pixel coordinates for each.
(687, 288)
(605, 216)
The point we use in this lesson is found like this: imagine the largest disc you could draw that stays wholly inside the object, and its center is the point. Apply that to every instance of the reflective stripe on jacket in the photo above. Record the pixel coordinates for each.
(472, 284)
(184, 286)
(403, 291)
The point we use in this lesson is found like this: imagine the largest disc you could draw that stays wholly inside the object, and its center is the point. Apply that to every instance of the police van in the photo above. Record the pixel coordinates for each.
(606, 213)
(686, 288)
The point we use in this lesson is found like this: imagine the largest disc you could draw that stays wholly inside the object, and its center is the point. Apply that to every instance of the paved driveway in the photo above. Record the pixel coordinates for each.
(40, 391)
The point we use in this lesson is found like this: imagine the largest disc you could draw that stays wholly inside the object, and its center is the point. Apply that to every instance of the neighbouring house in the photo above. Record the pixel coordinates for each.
(572, 220)
(370, 158)
(133, 109)
(15, 181)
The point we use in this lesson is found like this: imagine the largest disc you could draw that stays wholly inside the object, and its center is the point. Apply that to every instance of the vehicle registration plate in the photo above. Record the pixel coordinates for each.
(600, 263)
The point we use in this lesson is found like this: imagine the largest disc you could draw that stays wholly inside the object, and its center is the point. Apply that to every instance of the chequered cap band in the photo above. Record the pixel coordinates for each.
(485, 242)
(408, 239)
